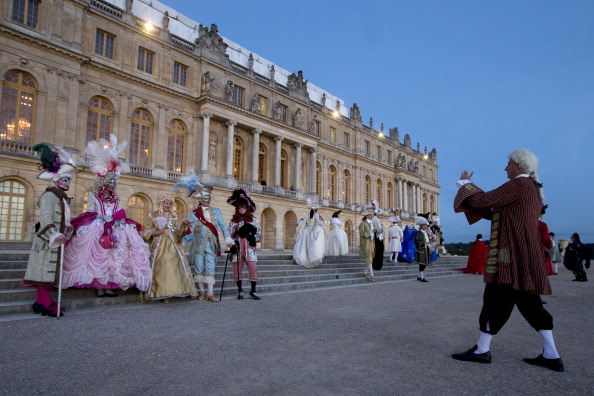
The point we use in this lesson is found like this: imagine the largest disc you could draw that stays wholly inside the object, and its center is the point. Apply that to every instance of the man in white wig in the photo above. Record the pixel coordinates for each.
(395, 236)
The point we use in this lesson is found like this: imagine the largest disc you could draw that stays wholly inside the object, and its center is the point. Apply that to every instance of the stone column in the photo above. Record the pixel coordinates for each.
(277, 161)
(419, 199)
(314, 161)
(400, 203)
(298, 166)
(205, 144)
(230, 144)
(256, 155)
(405, 196)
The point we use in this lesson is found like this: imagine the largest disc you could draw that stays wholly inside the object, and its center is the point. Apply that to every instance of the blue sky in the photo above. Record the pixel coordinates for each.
(475, 79)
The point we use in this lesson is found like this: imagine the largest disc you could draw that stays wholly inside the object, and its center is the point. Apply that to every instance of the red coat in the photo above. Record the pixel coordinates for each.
(477, 257)
(516, 255)
(547, 244)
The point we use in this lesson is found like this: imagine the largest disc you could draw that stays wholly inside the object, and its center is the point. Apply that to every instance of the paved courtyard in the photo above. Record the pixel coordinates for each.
(378, 339)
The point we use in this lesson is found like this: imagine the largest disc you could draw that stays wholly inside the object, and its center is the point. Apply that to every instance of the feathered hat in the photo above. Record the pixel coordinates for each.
(312, 205)
(421, 221)
(193, 186)
(103, 156)
(394, 219)
(241, 197)
(368, 210)
(376, 208)
(55, 163)
(336, 214)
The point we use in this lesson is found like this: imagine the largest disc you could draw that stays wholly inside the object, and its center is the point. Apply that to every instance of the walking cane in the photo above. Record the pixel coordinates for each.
(224, 273)
(60, 282)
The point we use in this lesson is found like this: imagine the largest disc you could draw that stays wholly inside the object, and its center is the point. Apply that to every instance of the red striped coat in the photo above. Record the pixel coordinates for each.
(515, 254)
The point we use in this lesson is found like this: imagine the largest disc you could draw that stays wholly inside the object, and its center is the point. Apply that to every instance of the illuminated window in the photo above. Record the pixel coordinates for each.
(99, 119)
(332, 183)
(238, 94)
(284, 182)
(137, 209)
(180, 208)
(86, 201)
(263, 105)
(367, 189)
(379, 190)
(346, 188)
(262, 163)
(19, 97)
(332, 134)
(179, 74)
(141, 132)
(12, 210)
(237, 158)
(26, 12)
(318, 178)
(390, 195)
(176, 143)
(104, 44)
(432, 204)
(145, 60)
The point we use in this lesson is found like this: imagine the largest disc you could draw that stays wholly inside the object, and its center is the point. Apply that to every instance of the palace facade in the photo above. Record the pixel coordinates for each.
(184, 97)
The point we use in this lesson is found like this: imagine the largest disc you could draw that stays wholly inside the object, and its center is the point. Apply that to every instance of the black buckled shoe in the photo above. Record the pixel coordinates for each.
(470, 356)
(421, 279)
(240, 296)
(551, 364)
(254, 296)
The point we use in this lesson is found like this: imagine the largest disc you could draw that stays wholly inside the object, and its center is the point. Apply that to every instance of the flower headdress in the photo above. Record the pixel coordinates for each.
(163, 196)
(56, 164)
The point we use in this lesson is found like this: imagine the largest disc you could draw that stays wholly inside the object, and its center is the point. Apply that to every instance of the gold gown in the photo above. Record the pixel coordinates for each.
(172, 276)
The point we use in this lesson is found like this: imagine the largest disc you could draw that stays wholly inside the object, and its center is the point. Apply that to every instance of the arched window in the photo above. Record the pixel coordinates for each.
(390, 196)
(19, 99)
(318, 179)
(237, 158)
(137, 209)
(284, 172)
(99, 119)
(12, 210)
(332, 183)
(140, 138)
(425, 203)
(180, 208)
(346, 187)
(378, 186)
(262, 163)
(432, 204)
(86, 201)
(367, 189)
(176, 143)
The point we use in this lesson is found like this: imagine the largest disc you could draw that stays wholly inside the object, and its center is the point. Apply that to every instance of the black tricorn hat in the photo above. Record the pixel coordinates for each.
(241, 197)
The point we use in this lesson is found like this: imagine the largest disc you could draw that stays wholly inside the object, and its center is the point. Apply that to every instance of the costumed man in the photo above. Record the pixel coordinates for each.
(367, 240)
(477, 256)
(245, 232)
(515, 274)
(555, 253)
(378, 256)
(395, 236)
(422, 250)
(547, 242)
(204, 240)
(52, 231)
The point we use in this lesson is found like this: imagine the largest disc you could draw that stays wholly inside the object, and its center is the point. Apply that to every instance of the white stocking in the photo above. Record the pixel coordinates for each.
(550, 352)
(484, 343)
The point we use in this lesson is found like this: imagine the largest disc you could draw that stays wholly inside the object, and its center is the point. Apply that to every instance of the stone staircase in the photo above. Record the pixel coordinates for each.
(276, 272)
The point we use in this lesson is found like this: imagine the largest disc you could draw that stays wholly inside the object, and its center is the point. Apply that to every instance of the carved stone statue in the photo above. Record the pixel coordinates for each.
(277, 111)
(324, 99)
(211, 39)
(313, 124)
(272, 72)
(298, 119)
(355, 114)
(251, 62)
(407, 142)
(212, 151)
(418, 147)
(129, 5)
(256, 106)
(166, 20)
(297, 83)
(394, 134)
(229, 91)
(371, 123)
(207, 82)
(433, 155)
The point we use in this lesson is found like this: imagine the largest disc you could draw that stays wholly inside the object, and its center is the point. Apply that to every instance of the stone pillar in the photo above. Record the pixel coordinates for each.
(277, 161)
(400, 203)
(256, 155)
(419, 199)
(314, 161)
(230, 144)
(205, 144)
(405, 196)
(298, 166)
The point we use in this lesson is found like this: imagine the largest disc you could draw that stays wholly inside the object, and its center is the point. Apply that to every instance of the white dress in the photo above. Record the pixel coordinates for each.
(337, 244)
(309, 242)
(395, 235)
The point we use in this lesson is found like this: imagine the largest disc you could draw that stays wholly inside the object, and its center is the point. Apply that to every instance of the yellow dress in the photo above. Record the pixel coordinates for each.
(172, 276)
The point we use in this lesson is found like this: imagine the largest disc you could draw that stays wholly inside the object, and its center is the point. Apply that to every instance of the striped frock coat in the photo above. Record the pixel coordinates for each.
(515, 253)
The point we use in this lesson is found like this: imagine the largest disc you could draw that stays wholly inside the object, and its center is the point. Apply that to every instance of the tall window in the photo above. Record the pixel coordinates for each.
(389, 157)
(263, 105)
(367, 189)
(26, 12)
(284, 171)
(12, 210)
(141, 132)
(176, 143)
(347, 140)
(284, 111)
(99, 119)
(137, 209)
(424, 171)
(19, 98)
(390, 195)
(238, 94)
(332, 183)
(86, 201)
(379, 153)
(179, 74)
(425, 203)
(432, 204)
(332, 134)
(237, 158)
(104, 44)
(318, 179)
(431, 174)
(346, 192)
(180, 208)
(378, 192)
(262, 163)
(367, 148)
(316, 130)
(145, 60)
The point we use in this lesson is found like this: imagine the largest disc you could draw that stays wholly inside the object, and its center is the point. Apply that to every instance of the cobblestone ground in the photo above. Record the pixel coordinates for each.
(380, 339)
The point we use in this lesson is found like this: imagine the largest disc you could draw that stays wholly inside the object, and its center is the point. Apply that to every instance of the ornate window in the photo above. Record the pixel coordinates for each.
(367, 189)
(99, 119)
(379, 186)
(332, 135)
(389, 157)
(180, 208)
(332, 183)
(431, 174)
(26, 12)
(180, 73)
(137, 209)
(346, 189)
(318, 178)
(176, 143)
(367, 148)
(86, 201)
(390, 195)
(145, 60)
(263, 105)
(12, 210)
(19, 98)
(141, 132)
(104, 44)
(347, 140)
(262, 163)
(284, 111)
(238, 94)
(237, 158)
(379, 153)
(284, 172)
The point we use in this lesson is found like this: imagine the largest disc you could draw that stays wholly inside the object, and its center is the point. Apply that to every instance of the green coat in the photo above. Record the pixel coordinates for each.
(365, 240)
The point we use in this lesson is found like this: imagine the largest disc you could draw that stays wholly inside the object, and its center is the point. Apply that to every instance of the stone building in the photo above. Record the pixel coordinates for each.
(185, 97)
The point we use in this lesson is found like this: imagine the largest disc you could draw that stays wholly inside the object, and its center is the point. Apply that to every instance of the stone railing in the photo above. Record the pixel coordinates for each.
(140, 170)
(174, 175)
(181, 43)
(261, 79)
(238, 68)
(107, 8)
(9, 146)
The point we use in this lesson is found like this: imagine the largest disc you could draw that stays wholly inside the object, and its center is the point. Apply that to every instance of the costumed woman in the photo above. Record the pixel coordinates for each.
(337, 243)
(52, 231)
(395, 237)
(106, 251)
(172, 276)
(309, 241)
(572, 259)
(477, 256)
(245, 232)
(378, 255)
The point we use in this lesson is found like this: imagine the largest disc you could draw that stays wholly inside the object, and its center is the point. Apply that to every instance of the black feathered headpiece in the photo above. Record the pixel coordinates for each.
(241, 197)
